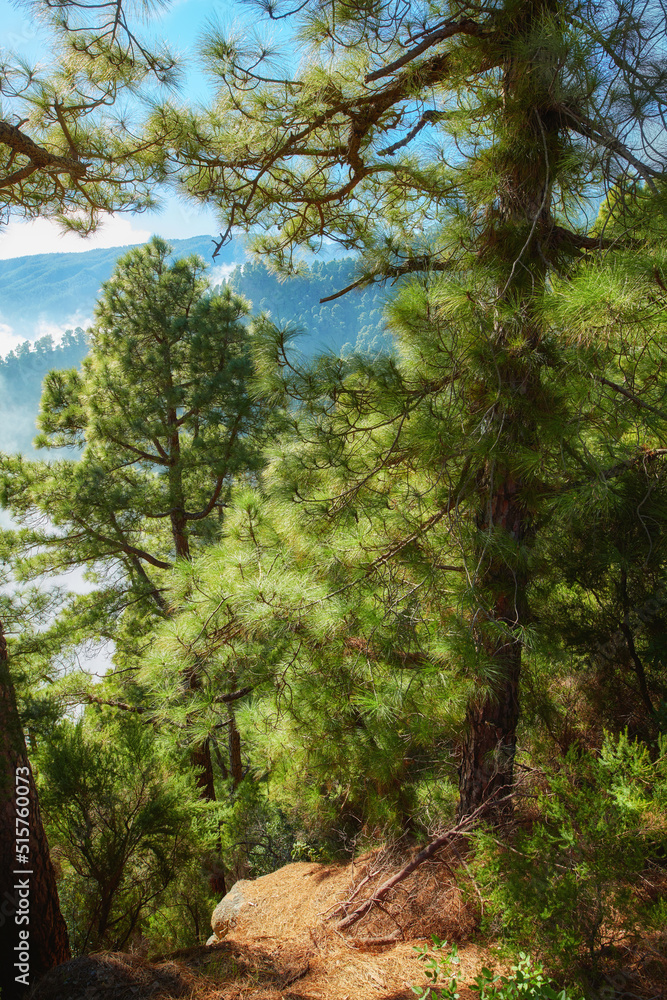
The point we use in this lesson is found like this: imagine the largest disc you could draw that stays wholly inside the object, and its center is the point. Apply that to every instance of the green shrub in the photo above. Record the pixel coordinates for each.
(526, 981)
(560, 885)
(119, 825)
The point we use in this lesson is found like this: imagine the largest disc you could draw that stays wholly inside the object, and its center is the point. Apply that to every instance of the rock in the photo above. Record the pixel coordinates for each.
(226, 912)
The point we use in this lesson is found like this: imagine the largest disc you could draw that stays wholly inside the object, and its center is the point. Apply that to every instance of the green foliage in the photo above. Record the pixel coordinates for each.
(345, 728)
(75, 156)
(181, 917)
(162, 414)
(119, 824)
(603, 595)
(527, 980)
(255, 835)
(367, 607)
(561, 884)
(438, 965)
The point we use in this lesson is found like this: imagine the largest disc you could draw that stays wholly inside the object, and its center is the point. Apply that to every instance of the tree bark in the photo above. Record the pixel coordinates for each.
(235, 758)
(487, 766)
(29, 906)
(203, 766)
(520, 220)
(179, 532)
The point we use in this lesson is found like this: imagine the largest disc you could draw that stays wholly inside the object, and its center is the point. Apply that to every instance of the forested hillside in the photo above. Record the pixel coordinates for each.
(355, 319)
(21, 375)
(53, 284)
(55, 287)
(385, 605)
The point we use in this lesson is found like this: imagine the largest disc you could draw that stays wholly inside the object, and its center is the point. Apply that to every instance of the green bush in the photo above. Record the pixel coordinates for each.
(527, 980)
(559, 885)
(255, 835)
(119, 824)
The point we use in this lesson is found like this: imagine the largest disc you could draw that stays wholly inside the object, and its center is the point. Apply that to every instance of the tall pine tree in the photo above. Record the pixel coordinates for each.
(473, 143)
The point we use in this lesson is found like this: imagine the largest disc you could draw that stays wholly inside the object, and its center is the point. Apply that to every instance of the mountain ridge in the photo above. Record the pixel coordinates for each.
(56, 286)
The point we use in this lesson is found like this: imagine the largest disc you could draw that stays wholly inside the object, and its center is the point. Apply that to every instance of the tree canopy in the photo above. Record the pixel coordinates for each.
(67, 151)
(532, 112)
(400, 127)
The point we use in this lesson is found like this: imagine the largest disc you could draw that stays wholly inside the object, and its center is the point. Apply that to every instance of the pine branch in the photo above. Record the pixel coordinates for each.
(645, 455)
(92, 699)
(122, 546)
(40, 158)
(464, 27)
(411, 265)
(597, 133)
(629, 395)
(226, 699)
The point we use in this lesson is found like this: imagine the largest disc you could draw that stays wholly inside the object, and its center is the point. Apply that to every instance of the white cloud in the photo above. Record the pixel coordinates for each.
(24, 239)
(43, 327)
(9, 339)
(216, 275)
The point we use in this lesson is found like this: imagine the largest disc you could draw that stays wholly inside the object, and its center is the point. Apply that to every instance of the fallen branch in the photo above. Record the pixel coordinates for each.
(341, 908)
(294, 976)
(461, 828)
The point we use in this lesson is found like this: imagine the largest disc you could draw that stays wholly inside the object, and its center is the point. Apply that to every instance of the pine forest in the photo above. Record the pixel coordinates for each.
(333, 614)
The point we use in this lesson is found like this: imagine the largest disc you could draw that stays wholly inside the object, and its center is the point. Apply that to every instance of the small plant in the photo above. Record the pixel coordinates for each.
(304, 851)
(438, 965)
(527, 980)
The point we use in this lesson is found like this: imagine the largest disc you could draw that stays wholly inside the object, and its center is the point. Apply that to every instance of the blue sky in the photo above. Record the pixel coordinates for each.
(181, 24)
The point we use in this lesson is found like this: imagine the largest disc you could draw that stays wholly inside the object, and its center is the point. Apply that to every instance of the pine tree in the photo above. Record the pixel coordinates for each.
(163, 413)
(531, 110)
(34, 936)
(59, 157)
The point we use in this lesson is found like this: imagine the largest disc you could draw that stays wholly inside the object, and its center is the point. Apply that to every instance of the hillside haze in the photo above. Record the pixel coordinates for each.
(55, 288)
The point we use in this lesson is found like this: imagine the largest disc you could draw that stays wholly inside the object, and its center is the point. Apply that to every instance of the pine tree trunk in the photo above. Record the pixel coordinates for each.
(203, 766)
(179, 522)
(179, 532)
(29, 906)
(487, 766)
(524, 200)
(235, 758)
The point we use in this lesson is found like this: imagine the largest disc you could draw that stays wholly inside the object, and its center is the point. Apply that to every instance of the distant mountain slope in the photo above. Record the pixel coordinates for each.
(21, 374)
(55, 286)
(354, 318)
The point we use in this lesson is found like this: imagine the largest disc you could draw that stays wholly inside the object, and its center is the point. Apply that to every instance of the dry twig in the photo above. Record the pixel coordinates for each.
(461, 828)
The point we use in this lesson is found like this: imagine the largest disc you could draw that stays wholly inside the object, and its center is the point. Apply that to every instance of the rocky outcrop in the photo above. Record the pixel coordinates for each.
(227, 911)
